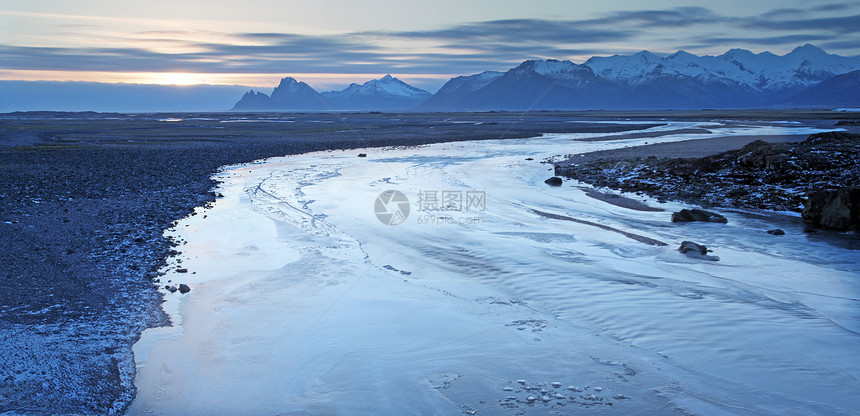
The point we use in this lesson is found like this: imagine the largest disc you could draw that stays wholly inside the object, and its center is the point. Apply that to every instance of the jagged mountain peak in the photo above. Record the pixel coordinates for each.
(289, 84)
(253, 93)
(253, 100)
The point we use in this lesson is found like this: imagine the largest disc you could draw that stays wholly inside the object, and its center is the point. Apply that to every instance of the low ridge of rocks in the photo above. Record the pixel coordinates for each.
(817, 177)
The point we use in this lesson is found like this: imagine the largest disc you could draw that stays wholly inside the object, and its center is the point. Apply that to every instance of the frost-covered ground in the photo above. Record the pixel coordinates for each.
(304, 302)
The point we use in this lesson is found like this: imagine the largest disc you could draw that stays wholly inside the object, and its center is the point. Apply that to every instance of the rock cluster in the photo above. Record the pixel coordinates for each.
(818, 176)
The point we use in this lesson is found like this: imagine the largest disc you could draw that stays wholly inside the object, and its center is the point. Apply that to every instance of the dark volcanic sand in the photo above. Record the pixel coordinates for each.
(84, 199)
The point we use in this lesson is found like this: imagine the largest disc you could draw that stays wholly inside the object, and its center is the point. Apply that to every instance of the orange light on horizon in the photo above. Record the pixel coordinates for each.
(176, 78)
(320, 81)
(159, 78)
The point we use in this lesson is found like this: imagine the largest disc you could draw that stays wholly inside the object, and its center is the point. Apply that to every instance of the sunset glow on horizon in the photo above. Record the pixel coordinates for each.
(336, 42)
(261, 82)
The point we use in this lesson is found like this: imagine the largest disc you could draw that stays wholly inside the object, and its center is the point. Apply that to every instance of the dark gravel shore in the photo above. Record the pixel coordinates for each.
(84, 199)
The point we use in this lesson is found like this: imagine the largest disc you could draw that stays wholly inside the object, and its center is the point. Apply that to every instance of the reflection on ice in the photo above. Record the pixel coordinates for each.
(305, 302)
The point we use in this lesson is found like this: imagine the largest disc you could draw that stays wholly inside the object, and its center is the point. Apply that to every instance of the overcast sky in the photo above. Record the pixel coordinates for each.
(329, 43)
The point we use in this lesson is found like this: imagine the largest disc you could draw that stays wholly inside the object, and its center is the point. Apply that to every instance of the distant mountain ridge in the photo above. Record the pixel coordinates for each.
(386, 93)
(807, 77)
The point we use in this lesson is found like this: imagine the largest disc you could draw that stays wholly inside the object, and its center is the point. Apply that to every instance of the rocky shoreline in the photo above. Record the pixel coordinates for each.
(817, 177)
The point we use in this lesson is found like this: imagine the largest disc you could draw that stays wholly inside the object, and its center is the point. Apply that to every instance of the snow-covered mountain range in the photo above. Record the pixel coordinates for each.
(802, 67)
(807, 77)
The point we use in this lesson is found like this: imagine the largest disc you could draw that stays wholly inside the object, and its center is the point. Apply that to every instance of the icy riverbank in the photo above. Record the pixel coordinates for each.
(304, 301)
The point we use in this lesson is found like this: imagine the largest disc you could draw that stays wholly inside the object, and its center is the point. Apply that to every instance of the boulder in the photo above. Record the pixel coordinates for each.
(183, 288)
(553, 181)
(690, 215)
(838, 209)
(696, 251)
(776, 232)
(688, 246)
(362, 155)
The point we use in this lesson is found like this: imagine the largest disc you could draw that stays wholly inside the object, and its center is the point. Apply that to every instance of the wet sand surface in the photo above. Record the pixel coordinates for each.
(619, 200)
(687, 149)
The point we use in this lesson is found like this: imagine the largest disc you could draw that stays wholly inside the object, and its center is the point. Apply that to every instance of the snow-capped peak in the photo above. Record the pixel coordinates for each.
(386, 86)
(552, 68)
(392, 86)
(628, 68)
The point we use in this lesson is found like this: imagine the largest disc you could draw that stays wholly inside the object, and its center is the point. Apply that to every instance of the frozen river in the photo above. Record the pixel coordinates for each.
(421, 281)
